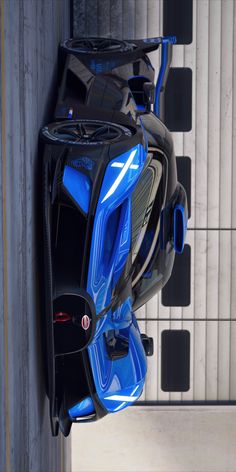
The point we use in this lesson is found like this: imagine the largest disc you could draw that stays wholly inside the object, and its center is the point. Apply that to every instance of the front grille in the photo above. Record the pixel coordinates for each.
(69, 230)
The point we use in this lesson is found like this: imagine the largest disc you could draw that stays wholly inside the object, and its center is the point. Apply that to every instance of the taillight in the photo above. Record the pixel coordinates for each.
(61, 317)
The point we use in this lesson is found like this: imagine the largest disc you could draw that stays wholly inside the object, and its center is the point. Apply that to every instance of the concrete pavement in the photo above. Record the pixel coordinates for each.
(30, 33)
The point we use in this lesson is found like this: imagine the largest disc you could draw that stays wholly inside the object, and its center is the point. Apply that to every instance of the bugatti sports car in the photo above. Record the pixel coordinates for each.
(114, 215)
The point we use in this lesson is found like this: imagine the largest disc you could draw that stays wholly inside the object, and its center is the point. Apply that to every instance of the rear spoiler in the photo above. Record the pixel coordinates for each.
(166, 57)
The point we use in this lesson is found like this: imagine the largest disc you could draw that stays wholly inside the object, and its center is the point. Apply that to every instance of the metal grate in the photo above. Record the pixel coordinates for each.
(211, 145)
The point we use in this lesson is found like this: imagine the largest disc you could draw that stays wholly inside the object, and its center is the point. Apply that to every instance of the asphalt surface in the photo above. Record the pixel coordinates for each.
(30, 33)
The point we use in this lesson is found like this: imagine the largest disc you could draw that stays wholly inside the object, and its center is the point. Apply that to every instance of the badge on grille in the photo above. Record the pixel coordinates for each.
(85, 322)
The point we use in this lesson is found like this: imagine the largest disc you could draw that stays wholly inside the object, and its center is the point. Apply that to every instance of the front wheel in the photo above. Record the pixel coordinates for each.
(85, 132)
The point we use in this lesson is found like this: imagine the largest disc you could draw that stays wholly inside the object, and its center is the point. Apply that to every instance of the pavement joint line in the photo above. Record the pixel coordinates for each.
(211, 229)
(4, 235)
(215, 320)
(62, 445)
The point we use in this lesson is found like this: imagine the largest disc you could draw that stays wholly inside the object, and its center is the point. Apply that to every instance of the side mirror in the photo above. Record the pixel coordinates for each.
(149, 94)
(174, 220)
(148, 345)
(180, 228)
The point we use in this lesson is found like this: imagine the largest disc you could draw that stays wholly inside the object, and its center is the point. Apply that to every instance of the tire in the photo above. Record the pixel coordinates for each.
(95, 46)
(85, 132)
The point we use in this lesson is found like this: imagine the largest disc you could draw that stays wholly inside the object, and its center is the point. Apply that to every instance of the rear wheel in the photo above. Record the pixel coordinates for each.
(97, 46)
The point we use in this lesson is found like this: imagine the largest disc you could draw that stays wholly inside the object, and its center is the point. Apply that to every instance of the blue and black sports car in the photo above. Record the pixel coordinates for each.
(114, 215)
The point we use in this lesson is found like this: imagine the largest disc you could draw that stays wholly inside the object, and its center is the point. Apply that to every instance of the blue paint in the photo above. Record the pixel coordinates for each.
(116, 191)
(79, 187)
(83, 408)
(70, 114)
(180, 228)
(138, 76)
(176, 232)
(165, 42)
(101, 67)
(84, 162)
(141, 107)
(156, 40)
(122, 377)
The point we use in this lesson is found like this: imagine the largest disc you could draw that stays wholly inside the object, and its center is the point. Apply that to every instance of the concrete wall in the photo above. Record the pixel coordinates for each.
(30, 34)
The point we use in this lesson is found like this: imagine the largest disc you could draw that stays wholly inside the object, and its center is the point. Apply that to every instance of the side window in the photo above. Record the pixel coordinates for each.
(117, 343)
(146, 217)
(141, 204)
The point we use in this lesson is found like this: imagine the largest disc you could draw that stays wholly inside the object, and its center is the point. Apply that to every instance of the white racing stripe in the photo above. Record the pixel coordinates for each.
(121, 164)
(121, 398)
(120, 176)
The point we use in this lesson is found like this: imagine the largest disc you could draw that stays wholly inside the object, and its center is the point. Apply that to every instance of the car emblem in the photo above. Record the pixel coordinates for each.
(85, 322)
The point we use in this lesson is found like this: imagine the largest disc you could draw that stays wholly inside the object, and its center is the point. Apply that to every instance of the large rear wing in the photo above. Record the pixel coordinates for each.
(166, 57)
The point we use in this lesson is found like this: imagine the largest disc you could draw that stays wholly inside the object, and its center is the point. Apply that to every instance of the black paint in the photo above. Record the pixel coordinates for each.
(178, 99)
(178, 20)
(177, 290)
(175, 360)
